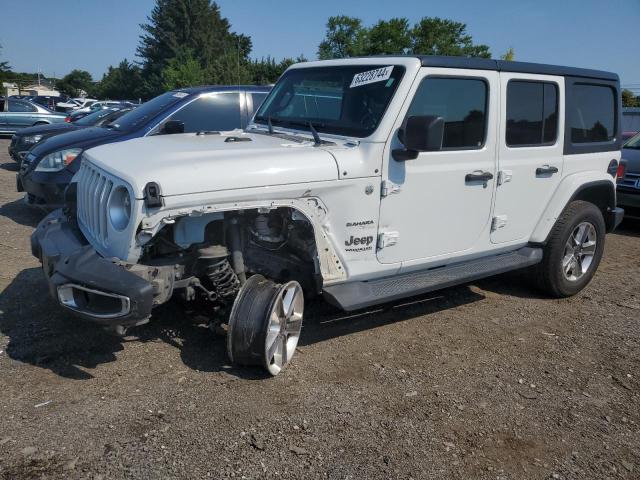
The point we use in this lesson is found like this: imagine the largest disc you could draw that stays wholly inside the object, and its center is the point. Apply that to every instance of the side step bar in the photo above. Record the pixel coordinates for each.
(356, 295)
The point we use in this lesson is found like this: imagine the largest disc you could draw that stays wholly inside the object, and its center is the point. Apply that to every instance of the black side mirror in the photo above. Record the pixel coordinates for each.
(172, 126)
(420, 133)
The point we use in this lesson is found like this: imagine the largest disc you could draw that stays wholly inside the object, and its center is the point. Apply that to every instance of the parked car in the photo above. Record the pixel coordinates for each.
(21, 114)
(628, 183)
(49, 166)
(365, 180)
(26, 138)
(75, 103)
(630, 122)
(48, 101)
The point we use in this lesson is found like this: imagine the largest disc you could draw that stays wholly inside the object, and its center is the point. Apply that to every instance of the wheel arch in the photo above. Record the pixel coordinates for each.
(592, 187)
(329, 264)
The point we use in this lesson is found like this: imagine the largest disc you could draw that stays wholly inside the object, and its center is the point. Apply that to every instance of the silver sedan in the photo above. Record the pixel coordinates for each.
(16, 114)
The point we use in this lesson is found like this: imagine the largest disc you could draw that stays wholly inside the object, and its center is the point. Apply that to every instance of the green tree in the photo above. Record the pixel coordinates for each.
(4, 66)
(438, 36)
(629, 99)
(388, 37)
(121, 82)
(509, 55)
(268, 70)
(196, 26)
(183, 71)
(345, 37)
(75, 83)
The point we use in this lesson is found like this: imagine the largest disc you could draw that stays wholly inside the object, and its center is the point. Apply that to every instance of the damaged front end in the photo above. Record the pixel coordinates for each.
(202, 259)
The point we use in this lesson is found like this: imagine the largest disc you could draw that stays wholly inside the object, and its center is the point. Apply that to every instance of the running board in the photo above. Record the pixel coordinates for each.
(356, 295)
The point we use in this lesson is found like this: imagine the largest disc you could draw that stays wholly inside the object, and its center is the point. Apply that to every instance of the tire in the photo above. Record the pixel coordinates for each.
(562, 273)
(265, 324)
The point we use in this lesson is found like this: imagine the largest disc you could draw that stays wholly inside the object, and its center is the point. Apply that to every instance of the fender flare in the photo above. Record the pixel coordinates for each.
(575, 187)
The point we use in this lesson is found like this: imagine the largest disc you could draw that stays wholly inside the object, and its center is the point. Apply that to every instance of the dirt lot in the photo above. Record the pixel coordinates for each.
(483, 381)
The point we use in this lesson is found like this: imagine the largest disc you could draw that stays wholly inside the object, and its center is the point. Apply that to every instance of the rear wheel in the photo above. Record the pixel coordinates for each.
(265, 324)
(573, 251)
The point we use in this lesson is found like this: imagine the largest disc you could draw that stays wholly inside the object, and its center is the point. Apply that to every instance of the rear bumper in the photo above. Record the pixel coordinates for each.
(625, 198)
(80, 280)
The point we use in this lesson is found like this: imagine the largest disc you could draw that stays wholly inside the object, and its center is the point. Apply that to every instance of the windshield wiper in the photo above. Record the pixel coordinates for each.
(270, 125)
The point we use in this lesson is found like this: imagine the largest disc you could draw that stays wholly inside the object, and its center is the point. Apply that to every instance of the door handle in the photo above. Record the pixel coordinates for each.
(546, 170)
(478, 176)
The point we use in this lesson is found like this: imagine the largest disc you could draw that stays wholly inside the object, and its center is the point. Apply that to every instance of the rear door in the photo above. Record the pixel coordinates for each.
(439, 204)
(530, 156)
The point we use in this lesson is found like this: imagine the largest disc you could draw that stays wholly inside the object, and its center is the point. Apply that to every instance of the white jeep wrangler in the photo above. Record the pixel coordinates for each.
(362, 180)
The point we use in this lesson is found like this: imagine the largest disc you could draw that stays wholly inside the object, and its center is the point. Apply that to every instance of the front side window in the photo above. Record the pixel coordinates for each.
(461, 102)
(211, 113)
(592, 113)
(532, 113)
(343, 100)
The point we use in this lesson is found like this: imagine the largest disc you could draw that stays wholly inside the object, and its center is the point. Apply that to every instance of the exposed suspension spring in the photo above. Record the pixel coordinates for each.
(216, 267)
(225, 281)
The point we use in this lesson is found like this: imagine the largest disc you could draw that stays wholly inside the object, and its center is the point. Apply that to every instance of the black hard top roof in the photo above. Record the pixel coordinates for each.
(517, 67)
(224, 88)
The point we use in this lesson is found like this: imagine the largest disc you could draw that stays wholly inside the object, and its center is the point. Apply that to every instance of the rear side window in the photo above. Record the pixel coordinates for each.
(18, 106)
(461, 102)
(532, 113)
(592, 113)
(215, 112)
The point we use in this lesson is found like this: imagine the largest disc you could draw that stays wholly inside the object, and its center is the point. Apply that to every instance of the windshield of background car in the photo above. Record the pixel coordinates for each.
(344, 100)
(633, 142)
(93, 118)
(148, 110)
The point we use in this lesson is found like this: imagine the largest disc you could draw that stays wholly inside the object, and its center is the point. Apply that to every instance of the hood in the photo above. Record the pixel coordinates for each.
(79, 137)
(190, 163)
(45, 129)
(631, 159)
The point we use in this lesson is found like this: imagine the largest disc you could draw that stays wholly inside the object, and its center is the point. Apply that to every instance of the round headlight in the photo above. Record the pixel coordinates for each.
(119, 208)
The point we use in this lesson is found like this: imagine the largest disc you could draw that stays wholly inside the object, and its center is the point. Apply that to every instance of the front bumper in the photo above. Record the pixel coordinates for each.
(18, 150)
(90, 286)
(44, 189)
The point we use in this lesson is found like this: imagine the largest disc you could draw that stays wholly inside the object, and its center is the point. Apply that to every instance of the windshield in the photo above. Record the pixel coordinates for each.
(633, 142)
(148, 110)
(344, 100)
(93, 118)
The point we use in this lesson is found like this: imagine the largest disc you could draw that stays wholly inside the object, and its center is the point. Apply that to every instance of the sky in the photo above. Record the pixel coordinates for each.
(57, 36)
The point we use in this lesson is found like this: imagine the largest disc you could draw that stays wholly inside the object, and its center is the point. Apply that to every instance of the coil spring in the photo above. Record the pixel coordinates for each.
(224, 280)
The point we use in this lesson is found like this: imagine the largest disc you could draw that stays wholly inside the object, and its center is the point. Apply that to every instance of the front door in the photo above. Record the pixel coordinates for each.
(439, 204)
(530, 154)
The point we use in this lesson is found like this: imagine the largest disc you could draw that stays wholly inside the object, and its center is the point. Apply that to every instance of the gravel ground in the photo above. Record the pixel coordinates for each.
(489, 380)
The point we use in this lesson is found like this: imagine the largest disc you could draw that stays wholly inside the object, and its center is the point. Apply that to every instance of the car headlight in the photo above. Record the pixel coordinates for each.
(56, 161)
(31, 139)
(119, 207)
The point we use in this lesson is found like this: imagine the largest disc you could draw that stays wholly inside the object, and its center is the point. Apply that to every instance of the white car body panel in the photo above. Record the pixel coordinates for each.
(438, 218)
